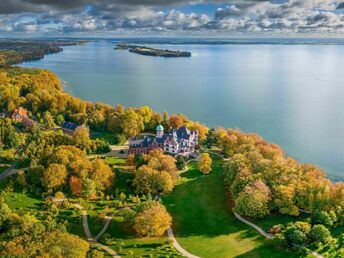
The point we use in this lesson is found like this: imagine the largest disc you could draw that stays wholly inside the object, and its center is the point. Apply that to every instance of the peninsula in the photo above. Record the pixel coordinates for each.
(147, 51)
(17, 51)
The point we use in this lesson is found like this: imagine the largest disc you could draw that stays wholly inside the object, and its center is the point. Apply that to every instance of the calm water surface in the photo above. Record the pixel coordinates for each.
(291, 95)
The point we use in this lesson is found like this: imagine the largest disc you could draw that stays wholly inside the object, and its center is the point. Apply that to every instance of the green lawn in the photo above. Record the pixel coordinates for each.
(115, 161)
(107, 136)
(2, 169)
(204, 224)
(23, 202)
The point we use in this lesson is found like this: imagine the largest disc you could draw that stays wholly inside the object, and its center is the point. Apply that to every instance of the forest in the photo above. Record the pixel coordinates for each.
(18, 51)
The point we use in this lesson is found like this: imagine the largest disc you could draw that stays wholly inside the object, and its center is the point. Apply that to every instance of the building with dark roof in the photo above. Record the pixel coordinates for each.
(180, 141)
(68, 127)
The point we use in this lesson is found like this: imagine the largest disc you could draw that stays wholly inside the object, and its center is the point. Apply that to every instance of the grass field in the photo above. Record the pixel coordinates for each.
(23, 202)
(107, 136)
(2, 169)
(115, 161)
(204, 224)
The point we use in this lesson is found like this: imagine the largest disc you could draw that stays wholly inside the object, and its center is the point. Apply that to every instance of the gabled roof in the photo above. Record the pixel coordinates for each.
(69, 126)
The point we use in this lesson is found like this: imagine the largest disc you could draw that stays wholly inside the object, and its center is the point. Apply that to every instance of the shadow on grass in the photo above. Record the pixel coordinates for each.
(200, 206)
(265, 251)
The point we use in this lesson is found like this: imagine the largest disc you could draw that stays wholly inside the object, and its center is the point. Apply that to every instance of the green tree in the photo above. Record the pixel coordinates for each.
(320, 233)
(294, 235)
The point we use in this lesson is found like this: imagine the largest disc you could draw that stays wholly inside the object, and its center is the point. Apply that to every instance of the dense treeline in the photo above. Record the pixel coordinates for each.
(17, 51)
(37, 236)
(41, 93)
(262, 179)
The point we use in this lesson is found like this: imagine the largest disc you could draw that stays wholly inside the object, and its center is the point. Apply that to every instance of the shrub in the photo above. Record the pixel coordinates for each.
(320, 233)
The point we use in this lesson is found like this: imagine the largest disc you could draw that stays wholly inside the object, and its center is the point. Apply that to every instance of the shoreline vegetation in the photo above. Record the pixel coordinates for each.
(148, 51)
(18, 51)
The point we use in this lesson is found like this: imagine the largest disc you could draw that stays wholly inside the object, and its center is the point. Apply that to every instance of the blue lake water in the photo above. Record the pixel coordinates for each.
(290, 94)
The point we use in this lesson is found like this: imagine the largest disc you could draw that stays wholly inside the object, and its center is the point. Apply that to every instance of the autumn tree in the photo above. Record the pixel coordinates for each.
(177, 121)
(204, 163)
(132, 123)
(159, 161)
(202, 129)
(54, 177)
(149, 180)
(81, 137)
(5, 213)
(254, 200)
(101, 174)
(152, 221)
(284, 200)
(75, 185)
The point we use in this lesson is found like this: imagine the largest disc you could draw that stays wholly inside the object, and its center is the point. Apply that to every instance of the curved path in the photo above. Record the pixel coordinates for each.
(256, 227)
(268, 235)
(175, 242)
(260, 230)
(88, 234)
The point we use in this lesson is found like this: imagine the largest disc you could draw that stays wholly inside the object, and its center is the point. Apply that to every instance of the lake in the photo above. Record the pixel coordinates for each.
(290, 94)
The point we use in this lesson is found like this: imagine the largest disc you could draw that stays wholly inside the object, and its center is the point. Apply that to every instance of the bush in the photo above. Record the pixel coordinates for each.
(320, 233)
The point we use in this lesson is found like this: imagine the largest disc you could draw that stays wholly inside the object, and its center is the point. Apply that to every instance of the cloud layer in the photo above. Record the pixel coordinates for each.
(147, 16)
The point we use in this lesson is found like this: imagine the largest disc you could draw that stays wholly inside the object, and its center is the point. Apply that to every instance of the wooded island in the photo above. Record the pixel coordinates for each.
(147, 51)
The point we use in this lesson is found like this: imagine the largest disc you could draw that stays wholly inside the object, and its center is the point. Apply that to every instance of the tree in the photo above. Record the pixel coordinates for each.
(131, 160)
(322, 217)
(5, 213)
(101, 174)
(202, 129)
(153, 221)
(48, 120)
(254, 200)
(148, 180)
(284, 200)
(294, 235)
(132, 123)
(204, 163)
(157, 160)
(320, 233)
(177, 121)
(81, 137)
(180, 162)
(75, 185)
(54, 177)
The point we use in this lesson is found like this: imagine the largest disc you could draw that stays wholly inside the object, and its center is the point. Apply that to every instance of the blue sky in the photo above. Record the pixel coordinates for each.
(321, 18)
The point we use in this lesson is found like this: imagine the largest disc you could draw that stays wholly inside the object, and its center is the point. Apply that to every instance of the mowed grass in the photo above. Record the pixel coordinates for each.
(23, 202)
(204, 224)
(116, 161)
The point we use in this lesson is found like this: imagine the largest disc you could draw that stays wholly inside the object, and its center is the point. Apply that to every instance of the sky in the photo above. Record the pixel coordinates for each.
(101, 18)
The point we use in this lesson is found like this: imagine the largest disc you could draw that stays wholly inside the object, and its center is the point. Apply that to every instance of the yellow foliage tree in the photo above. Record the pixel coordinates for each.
(204, 163)
(153, 221)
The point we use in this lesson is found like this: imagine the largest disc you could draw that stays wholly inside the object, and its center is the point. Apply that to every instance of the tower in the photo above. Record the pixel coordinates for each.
(159, 131)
